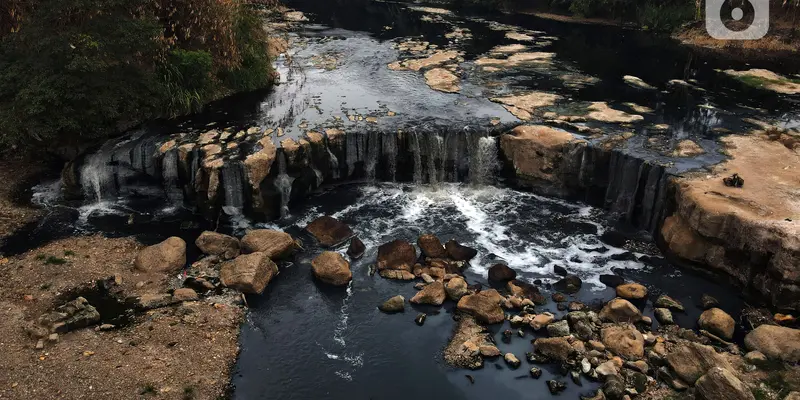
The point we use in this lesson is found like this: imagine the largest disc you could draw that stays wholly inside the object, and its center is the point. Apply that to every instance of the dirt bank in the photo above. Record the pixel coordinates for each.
(183, 351)
(14, 175)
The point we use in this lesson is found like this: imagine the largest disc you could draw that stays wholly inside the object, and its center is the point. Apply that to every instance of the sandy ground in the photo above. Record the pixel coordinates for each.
(180, 352)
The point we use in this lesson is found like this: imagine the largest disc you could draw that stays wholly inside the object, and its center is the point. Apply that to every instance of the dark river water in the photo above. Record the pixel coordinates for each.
(302, 340)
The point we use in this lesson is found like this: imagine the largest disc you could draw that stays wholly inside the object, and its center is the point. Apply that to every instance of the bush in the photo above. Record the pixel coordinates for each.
(188, 80)
(255, 70)
(665, 17)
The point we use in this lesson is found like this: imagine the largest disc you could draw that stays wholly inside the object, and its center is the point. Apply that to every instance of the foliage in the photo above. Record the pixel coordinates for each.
(74, 71)
(664, 17)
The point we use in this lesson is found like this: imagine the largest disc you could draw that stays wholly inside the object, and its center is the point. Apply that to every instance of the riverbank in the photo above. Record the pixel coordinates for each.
(16, 176)
(183, 351)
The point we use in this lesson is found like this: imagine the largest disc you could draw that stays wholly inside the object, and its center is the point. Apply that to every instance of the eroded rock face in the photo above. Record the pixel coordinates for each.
(541, 156)
(692, 360)
(167, 256)
(749, 233)
(249, 273)
(775, 342)
(329, 231)
(485, 306)
(275, 244)
(397, 255)
(722, 384)
(217, 244)
(330, 267)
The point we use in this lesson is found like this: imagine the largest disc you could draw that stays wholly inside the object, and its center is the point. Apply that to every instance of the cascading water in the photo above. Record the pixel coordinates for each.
(483, 161)
(233, 187)
(434, 143)
(283, 183)
(417, 152)
(169, 175)
(389, 152)
(371, 155)
(97, 176)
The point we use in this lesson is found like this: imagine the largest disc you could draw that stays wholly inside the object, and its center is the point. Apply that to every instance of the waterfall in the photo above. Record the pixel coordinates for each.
(97, 176)
(232, 177)
(417, 151)
(451, 155)
(169, 176)
(334, 163)
(434, 152)
(283, 183)
(351, 152)
(389, 153)
(371, 156)
(483, 160)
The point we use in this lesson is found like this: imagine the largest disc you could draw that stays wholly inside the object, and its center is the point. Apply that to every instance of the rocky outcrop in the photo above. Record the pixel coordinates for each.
(217, 244)
(776, 342)
(749, 232)
(469, 345)
(722, 384)
(542, 157)
(330, 267)
(432, 294)
(329, 231)
(275, 244)
(397, 255)
(691, 360)
(485, 306)
(167, 256)
(249, 273)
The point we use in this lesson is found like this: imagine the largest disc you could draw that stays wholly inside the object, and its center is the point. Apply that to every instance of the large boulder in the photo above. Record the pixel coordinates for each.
(459, 252)
(722, 384)
(432, 294)
(397, 274)
(632, 291)
(623, 340)
(456, 288)
(569, 284)
(620, 310)
(692, 360)
(217, 244)
(329, 231)
(356, 248)
(485, 306)
(275, 244)
(330, 267)
(556, 349)
(540, 156)
(167, 256)
(775, 342)
(249, 273)
(393, 305)
(431, 246)
(397, 255)
(526, 291)
(717, 322)
(501, 273)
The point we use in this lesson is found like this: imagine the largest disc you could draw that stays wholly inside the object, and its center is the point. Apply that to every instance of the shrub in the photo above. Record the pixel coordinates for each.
(255, 70)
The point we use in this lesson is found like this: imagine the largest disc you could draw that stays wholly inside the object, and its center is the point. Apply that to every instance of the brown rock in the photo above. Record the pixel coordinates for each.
(489, 351)
(185, 294)
(431, 246)
(397, 274)
(501, 273)
(692, 360)
(393, 305)
(459, 252)
(526, 291)
(456, 288)
(274, 244)
(722, 384)
(542, 320)
(329, 231)
(620, 310)
(485, 306)
(217, 244)
(631, 291)
(167, 256)
(557, 349)
(775, 342)
(356, 249)
(540, 155)
(330, 267)
(397, 255)
(717, 322)
(432, 294)
(249, 273)
(623, 340)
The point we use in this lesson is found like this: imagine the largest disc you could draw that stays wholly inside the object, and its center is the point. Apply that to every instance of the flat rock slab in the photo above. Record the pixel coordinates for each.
(329, 231)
